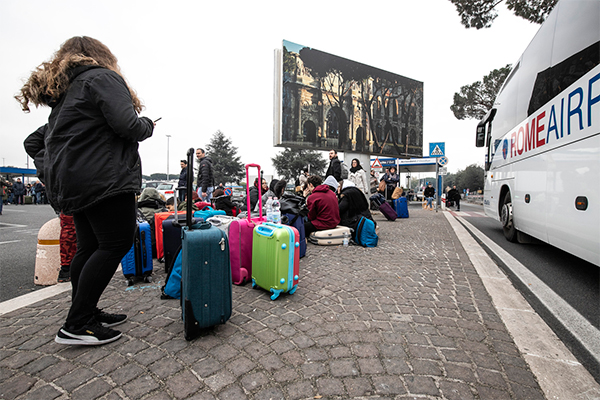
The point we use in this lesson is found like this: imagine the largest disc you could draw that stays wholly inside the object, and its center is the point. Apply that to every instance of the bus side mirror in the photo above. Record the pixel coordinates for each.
(482, 132)
(480, 137)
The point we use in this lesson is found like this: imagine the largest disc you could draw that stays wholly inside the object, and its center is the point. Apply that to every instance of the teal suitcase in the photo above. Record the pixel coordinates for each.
(206, 298)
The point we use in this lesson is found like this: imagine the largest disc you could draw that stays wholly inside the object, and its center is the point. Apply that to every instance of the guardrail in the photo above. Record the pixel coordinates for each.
(474, 198)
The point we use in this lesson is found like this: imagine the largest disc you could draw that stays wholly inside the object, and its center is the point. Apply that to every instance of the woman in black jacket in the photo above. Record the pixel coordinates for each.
(87, 155)
(352, 204)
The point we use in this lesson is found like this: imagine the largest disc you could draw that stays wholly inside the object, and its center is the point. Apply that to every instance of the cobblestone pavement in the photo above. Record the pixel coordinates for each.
(408, 319)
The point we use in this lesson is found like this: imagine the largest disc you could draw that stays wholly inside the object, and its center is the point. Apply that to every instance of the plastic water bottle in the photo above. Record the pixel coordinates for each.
(346, 239)
(269, 207)
(276, 211)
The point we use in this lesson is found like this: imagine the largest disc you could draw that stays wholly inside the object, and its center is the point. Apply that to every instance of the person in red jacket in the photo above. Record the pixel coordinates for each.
(322, 203)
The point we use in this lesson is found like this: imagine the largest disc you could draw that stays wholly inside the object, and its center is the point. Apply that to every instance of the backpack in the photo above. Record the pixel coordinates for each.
(297, 222)
(172, 287)
(365, 234)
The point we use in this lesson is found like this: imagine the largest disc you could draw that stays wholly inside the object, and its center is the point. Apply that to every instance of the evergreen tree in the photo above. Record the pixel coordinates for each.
(227, 166)
(475, 100)
(290, 162)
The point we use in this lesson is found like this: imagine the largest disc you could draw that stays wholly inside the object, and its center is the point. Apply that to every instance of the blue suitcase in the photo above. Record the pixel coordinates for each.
(401, 207)
(206, 297)
(137, 263)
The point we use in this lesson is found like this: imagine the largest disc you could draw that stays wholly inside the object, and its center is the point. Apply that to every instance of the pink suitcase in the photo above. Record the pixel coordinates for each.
(240, 237)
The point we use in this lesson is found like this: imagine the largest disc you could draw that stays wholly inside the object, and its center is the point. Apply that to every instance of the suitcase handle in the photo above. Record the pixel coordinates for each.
(190, 178)
(266, 230)
(248, 191)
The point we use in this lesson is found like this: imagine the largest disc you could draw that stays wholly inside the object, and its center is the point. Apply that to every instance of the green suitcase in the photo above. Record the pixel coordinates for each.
(275, 258)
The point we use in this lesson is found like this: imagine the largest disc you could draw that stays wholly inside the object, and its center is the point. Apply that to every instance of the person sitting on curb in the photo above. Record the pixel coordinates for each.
(429, 192)
(323, 210)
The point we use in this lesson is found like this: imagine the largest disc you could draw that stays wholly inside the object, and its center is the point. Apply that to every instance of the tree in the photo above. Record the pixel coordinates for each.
(471, 178)
(290, 162)
(476, 99)
(159, 176)
(227, 166)
(481, 13)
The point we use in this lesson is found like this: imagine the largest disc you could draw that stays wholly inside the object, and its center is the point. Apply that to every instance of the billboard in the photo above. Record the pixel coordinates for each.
(325, 102)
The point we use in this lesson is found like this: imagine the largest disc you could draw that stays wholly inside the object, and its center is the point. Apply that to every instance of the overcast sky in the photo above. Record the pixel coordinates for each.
(208, 66)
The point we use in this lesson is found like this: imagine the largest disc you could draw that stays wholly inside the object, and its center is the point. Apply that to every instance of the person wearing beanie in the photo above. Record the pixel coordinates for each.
(322, 204)
(332, 183)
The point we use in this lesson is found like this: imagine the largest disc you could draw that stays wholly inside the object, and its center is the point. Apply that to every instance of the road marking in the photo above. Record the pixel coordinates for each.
(559, 373)
(10, 241)
(39, 295)
(5, 225)
(33, 297)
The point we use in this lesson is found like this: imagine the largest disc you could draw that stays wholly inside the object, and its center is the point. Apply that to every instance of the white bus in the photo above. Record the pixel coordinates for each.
(543, 136)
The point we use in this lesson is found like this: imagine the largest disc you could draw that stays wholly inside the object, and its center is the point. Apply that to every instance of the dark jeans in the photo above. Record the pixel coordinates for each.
(309, 228)
(105, 234)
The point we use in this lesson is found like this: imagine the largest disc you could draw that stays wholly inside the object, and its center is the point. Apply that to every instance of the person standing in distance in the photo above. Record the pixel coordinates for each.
(205, 184)
(335, 166)
(182, 180)
(88, 155)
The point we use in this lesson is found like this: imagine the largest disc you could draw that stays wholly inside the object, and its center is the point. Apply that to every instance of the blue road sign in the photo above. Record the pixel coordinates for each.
(437, 149)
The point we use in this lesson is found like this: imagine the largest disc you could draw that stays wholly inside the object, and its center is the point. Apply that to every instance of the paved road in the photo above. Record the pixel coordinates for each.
(574, 280)
(19, 226)
(567, 293)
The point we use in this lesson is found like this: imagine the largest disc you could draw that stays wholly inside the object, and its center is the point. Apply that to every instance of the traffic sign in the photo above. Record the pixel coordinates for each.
(443, 160)
(376, 163)
(437, 149)
(443, 171)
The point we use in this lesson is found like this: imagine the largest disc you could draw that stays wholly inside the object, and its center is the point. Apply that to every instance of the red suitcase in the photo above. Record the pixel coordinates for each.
(240, 237)
(158, 231)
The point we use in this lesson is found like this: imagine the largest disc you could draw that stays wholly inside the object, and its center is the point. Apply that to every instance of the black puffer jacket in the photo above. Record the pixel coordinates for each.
(205, 174)
(91, 140)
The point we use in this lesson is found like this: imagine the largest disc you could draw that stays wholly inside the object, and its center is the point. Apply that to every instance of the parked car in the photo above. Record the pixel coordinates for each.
(153, 184)
(167, 189)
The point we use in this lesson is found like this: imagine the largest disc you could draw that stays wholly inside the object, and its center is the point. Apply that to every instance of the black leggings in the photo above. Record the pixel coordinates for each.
(104, 235)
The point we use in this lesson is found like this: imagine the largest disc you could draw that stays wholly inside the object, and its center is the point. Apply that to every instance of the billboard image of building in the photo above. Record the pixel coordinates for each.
(328, 102)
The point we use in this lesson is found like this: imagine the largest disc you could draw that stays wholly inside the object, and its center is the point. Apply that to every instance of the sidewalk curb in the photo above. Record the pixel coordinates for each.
(559, 373)
(33, 297)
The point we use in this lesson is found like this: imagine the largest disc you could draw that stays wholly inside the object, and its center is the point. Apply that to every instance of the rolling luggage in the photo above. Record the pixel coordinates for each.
(205, 271)
(388, 211)
(137, 263)
(159, 219)
(331, 237)
(401, 207)
(241, 235)
(275, 258)
(207, 212)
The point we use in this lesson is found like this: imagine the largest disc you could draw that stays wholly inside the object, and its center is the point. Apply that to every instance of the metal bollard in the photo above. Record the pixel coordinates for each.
(47, 258)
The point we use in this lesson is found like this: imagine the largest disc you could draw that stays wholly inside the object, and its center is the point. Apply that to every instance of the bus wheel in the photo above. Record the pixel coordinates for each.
(506, 217)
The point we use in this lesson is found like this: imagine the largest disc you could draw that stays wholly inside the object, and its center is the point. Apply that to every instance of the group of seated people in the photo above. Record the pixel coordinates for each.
(324, 204)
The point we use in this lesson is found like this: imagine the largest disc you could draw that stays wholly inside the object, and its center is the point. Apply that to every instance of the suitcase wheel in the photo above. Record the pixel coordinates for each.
(276, 293)
(130, 281)
(293, 290)
(254, 285)
(147, 279)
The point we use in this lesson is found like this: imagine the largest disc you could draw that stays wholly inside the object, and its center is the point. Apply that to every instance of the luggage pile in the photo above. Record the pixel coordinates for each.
(206, 251)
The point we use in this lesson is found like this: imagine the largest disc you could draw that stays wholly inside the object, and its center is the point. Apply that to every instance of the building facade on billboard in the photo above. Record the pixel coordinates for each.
(329, 102)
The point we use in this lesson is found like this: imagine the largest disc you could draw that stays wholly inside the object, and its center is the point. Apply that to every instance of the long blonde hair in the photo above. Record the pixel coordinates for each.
(51, 79)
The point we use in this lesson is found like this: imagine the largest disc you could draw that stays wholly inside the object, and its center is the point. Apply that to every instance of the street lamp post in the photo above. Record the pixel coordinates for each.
(168, 139)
